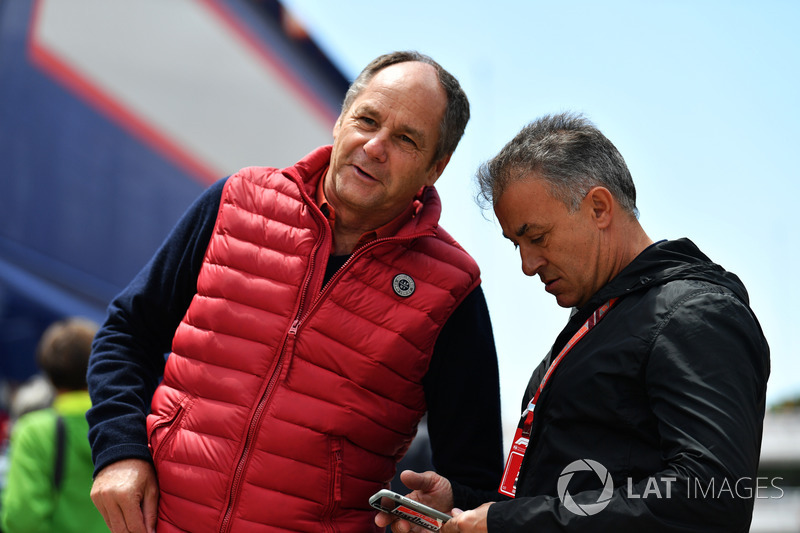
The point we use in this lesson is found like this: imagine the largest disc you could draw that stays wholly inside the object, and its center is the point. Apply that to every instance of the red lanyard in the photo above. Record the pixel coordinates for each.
(508, 485)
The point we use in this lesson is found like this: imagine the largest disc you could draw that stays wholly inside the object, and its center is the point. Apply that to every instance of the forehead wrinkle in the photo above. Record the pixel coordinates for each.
(368, 108)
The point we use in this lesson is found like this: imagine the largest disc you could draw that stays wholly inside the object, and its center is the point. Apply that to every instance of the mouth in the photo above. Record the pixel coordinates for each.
(549, 284)
(364, 174)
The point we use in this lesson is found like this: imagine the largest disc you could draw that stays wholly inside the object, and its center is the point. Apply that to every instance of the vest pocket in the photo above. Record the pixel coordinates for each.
(335, 447)
(163, 429)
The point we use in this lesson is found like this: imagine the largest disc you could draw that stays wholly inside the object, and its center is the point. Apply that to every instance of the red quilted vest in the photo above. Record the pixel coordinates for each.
(284, 404)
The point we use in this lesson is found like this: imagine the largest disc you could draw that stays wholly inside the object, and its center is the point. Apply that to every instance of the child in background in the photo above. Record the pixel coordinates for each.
(50, 465)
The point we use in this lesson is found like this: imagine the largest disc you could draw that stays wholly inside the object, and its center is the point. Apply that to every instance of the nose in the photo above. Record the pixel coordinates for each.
(375, 147)
(531, 261)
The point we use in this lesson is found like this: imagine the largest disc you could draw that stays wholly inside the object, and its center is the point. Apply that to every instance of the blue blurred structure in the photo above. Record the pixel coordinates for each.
(114, 115)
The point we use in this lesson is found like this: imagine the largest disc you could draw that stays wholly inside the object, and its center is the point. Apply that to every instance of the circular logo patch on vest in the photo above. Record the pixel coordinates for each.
(403, 285)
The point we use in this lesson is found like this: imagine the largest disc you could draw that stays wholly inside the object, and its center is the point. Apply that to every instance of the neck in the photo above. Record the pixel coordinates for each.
(632, 241)
(345, 240)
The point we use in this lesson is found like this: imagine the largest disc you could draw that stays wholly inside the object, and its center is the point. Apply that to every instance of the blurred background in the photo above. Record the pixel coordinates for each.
(115, 115)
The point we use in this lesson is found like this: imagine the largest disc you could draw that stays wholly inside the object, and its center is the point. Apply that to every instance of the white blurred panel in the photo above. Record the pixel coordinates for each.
(188, 74)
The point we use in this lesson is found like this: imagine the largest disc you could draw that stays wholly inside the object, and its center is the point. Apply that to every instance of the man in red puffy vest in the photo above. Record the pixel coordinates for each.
(312, 315)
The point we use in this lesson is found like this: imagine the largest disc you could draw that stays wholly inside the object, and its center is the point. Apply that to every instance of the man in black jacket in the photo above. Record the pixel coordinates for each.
(649, 406)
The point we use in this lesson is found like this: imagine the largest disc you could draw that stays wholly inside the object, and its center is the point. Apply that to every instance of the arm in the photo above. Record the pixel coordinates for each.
(28, 498)
(705, 376)
(462, 384)
(128, 357)
(128, 353)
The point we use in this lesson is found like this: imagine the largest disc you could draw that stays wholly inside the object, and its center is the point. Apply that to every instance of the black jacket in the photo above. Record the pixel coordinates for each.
(666, 394)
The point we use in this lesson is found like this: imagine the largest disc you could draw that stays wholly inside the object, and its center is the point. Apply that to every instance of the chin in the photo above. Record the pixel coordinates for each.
(565, 301)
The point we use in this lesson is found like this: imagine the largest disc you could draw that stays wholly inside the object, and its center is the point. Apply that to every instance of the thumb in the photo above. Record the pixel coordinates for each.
(422, 482)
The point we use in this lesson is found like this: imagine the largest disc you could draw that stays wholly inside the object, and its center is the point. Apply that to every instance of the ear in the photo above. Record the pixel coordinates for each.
(602, 206)
(437, 168)
(336, 126)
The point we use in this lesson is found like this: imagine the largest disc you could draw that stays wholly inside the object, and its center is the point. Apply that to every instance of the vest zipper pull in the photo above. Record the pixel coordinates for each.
(293, 329)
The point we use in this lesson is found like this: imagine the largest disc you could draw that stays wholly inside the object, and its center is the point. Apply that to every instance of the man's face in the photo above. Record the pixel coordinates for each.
(563, 248)
(384, 144)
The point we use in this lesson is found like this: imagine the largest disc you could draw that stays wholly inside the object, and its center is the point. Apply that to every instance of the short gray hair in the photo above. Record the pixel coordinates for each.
(569, 153)
(456, 113)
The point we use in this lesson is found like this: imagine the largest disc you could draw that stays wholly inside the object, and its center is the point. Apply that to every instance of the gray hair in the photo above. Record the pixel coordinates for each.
(569, 153)
(456, 113)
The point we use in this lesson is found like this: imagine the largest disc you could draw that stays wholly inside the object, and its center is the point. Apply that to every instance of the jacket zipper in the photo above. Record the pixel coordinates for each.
(358, 252)
(300, 317)
(264, 400)
(171, 423)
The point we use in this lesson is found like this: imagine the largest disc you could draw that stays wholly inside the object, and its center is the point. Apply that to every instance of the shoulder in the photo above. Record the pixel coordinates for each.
(699, 315)
(34, 429)
(695, 297)
(454, 253)
(35, 419)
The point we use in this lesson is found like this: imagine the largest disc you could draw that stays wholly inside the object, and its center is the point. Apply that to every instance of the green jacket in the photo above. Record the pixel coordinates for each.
(30, 502)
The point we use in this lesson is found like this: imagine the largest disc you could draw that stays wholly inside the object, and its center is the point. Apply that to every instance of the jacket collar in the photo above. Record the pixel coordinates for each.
(660, 263)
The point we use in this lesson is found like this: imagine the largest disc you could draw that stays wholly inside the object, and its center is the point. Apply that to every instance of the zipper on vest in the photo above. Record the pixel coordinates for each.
(171, 425)
(252, 429)
(307, 281)
(358, 252)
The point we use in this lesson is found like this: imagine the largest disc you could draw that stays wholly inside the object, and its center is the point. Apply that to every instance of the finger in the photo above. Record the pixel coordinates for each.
(401, 526)
(111, 512)
(451, 526)
(418, 481)
(150, 509)
(384, 519)
(103, 512)
(116, 520)
(132, 514)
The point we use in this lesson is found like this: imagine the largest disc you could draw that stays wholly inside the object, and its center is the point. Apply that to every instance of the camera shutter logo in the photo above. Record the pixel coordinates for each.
(403, 285)
(590, 508)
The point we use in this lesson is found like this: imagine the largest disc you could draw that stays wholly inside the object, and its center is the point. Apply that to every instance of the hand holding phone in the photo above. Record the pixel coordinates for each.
(408, 509)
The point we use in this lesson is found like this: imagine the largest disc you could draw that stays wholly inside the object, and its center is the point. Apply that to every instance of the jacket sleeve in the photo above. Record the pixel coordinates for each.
(463, 395)
(129, 351)
(28, 498)
(705, 376)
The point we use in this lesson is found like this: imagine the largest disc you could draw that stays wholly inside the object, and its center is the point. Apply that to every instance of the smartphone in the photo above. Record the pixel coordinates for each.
(408, 509)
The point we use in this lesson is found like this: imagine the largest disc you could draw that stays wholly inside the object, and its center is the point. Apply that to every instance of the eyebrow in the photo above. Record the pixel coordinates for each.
(366, 108)
(519, 233)
(523, 229)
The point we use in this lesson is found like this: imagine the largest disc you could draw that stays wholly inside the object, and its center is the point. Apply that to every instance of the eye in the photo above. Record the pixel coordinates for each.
(366, 121)
(405, 139)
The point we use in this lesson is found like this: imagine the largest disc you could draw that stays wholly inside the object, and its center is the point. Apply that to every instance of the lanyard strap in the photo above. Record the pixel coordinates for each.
(508, 484)
(591, 322)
